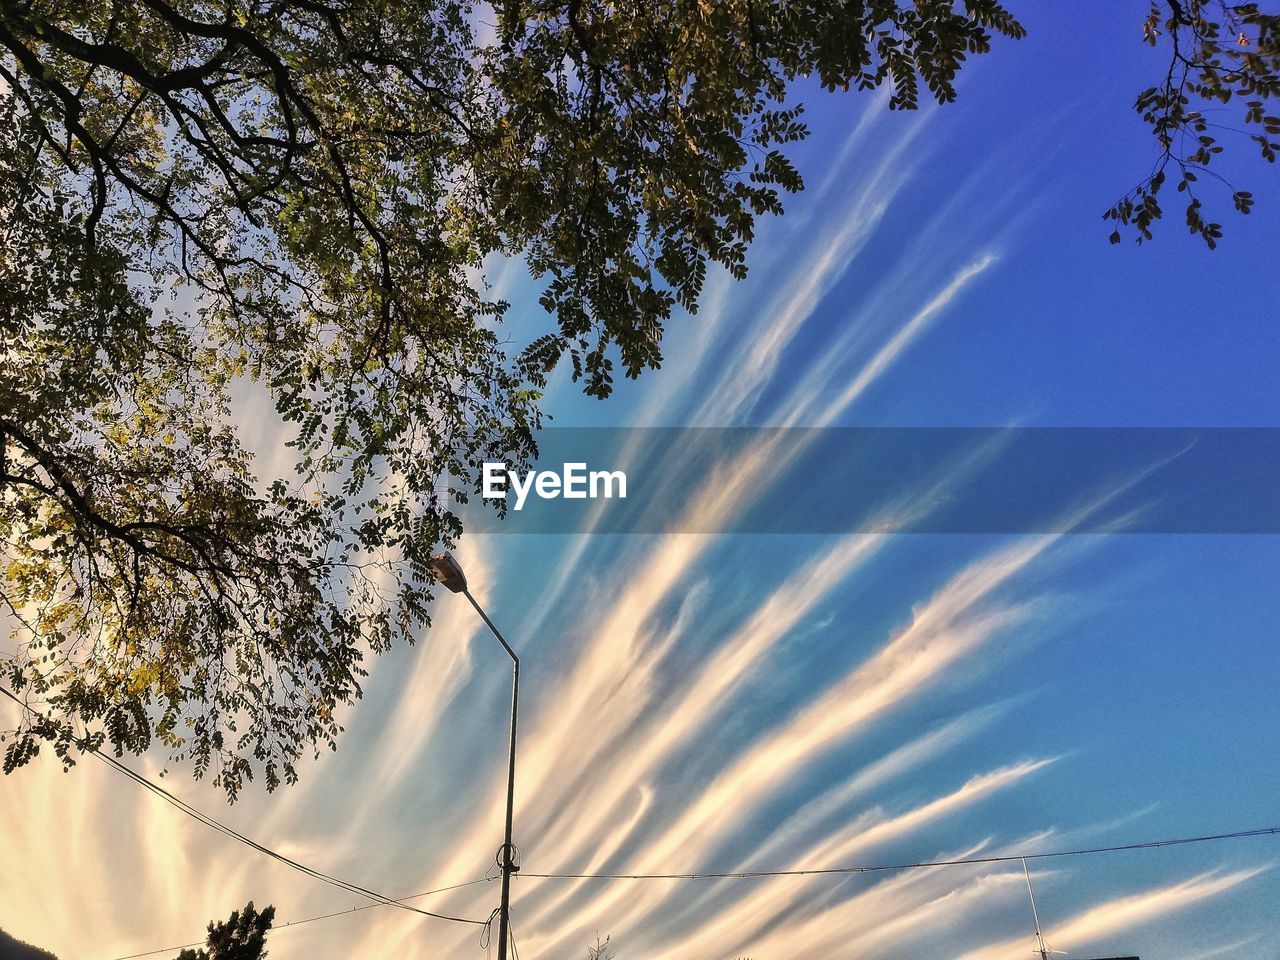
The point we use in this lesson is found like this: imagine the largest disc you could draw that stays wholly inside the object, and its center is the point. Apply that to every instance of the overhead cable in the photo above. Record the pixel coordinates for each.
(289, 924)
(222, 828)
(890, 867)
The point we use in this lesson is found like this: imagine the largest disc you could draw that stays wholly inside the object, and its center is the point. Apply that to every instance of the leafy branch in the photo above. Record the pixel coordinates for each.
(1219, 53)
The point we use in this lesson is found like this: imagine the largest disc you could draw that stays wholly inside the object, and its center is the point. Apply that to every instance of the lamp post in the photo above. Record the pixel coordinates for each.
(447, 572)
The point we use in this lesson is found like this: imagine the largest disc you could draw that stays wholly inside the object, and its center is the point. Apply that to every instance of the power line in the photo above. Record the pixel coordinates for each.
(287, 861)
(323, 916)
(380, 900)
(515, 952)
(210, 822)
(152, 953)
(884, 868)
(744, 875)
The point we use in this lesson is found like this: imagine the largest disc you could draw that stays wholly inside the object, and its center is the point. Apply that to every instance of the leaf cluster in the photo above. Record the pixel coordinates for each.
(1220, 54)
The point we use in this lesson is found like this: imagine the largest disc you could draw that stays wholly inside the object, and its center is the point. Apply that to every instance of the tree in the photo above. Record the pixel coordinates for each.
(205, 198)
(600, 951)
(14, 949)
(295, 194)
(243, 936)
(1220, 52)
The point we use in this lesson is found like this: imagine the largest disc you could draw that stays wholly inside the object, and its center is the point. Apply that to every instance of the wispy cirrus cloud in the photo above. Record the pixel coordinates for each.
(955, 622)
(754, 911)
(1123, 913)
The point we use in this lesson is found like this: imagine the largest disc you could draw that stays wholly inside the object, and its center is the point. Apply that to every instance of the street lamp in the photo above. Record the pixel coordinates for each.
(447, 572)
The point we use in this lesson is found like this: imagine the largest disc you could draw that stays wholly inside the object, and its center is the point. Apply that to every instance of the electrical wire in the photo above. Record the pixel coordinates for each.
(323, 916)
(486, 931)
(883, 868)
(485, 925)
(744, 875)
(210, 822)
(511, 935)
(287, 861)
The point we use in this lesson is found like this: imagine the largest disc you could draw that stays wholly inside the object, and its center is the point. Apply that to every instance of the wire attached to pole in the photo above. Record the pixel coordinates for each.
(892, 867)
(222, 828)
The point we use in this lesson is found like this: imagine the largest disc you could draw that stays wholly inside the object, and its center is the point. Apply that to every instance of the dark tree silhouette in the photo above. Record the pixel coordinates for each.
(242, 937)
(12, 948)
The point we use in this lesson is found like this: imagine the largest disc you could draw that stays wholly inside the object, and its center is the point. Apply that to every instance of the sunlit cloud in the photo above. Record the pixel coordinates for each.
(889, 353)
(888, 917)
(1123, 913)
(754, 910)
(442, 663)
(943, 630)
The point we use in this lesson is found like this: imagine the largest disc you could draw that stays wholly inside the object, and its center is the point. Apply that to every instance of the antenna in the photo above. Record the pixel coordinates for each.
(1042, 948)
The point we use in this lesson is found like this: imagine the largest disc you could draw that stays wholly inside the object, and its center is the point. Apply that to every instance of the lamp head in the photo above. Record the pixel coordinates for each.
(446, 571)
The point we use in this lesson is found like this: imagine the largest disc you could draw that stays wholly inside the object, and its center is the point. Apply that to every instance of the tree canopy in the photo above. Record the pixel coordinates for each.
(201, 199)
(14, 949)
(242, 936)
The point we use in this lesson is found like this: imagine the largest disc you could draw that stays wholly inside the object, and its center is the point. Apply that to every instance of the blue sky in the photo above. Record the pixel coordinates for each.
(725, 702)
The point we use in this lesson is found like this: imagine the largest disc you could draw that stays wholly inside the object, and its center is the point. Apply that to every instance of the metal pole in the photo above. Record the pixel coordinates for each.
(507, 853)
(1040, 944)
